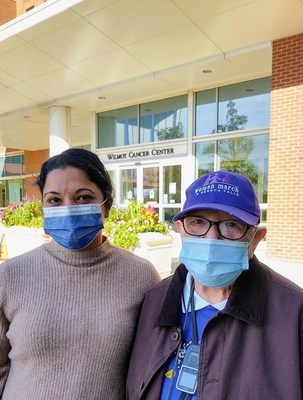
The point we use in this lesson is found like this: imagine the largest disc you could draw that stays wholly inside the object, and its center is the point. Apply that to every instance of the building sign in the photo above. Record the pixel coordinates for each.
(146, 153)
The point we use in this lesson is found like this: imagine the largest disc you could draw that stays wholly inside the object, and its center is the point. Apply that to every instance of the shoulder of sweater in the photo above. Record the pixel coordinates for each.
(24, 259)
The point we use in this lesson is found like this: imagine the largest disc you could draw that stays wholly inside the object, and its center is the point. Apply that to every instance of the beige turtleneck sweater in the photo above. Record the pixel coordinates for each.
(67, 321)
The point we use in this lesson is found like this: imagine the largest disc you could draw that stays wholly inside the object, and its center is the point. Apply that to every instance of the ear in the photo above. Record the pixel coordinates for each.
(259, 235)
(179, 226)
(105, 212)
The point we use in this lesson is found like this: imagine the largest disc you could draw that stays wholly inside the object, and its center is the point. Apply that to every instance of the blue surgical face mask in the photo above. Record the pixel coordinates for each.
(213, 262)
(75, 226)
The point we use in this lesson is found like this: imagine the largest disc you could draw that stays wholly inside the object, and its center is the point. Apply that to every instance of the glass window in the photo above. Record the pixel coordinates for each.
(128, 185)
(159, 120)
(12, 165)
(206, 112)
(11, 191)
(172, 184)
(244, 105)
(245, 155)
(15, 190)
(118, 127)
(168, 214)
(205, 154)
(151, 185)
(163, 119)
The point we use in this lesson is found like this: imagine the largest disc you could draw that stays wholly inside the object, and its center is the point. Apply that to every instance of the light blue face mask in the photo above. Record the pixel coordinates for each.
(75, 226)
(213, 262)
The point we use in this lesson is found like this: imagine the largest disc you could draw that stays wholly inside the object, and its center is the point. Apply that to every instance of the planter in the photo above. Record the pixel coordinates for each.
(17, 240)
(158, 249)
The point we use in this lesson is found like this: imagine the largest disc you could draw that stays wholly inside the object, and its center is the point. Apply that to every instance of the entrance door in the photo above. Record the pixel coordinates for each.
(14, 191)
(154, 184)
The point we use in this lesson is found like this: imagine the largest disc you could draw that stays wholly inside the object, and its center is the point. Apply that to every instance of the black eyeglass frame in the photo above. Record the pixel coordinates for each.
(217, 223)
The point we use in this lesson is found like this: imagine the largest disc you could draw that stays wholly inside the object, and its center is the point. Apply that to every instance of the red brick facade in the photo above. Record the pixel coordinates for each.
(26, 5)
(7, 10)
(285, 183)
(32, 163)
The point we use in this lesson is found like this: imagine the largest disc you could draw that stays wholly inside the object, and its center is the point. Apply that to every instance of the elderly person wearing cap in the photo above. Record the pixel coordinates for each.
(224, 326)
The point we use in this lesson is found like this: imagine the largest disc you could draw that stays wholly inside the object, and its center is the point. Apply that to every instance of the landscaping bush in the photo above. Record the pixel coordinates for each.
(28, 213)
(123, 225)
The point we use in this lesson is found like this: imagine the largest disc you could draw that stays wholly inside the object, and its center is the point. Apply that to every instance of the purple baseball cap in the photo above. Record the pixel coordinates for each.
(223, 191)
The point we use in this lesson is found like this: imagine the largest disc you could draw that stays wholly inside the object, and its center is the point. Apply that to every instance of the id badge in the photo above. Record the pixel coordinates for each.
(188, 374)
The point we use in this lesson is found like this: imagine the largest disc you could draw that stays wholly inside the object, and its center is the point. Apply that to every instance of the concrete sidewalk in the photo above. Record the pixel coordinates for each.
(289, 269)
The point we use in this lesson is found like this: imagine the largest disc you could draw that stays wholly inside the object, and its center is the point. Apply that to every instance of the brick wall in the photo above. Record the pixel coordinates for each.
(23, 6)
(7, 10)
(33, 161)
(285, 183)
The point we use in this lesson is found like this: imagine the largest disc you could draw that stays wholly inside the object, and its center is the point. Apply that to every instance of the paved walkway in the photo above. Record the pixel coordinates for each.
(291, 270)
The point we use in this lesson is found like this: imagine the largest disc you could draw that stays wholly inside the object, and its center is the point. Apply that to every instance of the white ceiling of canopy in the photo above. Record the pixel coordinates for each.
(92, 55)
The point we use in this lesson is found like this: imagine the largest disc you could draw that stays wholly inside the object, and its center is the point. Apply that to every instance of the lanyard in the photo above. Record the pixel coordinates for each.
(193, 314)
(189, 307)
(191, 302)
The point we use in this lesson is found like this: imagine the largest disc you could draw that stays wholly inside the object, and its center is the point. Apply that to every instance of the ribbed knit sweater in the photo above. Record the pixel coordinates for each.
(67, 321)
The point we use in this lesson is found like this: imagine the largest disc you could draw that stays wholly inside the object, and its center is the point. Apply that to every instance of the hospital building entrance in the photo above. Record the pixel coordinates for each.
(158, 184)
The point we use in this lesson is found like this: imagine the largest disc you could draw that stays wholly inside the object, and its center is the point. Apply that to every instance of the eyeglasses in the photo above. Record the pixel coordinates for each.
(231, 229)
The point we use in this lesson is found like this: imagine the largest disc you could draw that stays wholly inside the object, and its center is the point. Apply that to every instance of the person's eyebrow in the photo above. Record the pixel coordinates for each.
(77, 191)
(49, 193)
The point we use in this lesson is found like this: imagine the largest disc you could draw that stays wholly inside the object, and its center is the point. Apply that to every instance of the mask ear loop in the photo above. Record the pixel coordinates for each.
(104, 201)
(253, 236)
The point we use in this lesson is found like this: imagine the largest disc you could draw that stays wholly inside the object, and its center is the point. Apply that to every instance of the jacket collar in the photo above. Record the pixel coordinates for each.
(246, 301)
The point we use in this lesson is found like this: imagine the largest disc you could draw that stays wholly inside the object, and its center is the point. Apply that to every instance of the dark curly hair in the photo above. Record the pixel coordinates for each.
(85, 160)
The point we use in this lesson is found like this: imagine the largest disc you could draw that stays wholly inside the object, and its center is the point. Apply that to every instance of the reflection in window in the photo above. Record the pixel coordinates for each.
(205, 153)
(151, 184)
(156, 121)
(244, 155)
(118, 127)
(206, 110)
(163, 119)
(242, 106)
(128, 185)
(172, 184)
(247, 156)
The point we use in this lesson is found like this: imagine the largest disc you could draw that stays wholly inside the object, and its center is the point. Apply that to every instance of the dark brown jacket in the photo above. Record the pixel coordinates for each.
(252, 350)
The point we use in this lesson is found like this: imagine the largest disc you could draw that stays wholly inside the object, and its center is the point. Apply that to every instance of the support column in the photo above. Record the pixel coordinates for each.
(59, 129)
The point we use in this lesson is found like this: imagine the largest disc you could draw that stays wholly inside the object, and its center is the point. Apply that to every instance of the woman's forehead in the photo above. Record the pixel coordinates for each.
(67, 178)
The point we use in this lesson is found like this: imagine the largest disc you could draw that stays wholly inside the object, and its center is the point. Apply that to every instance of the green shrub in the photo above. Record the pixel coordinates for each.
(28, 213)
(123, 225)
